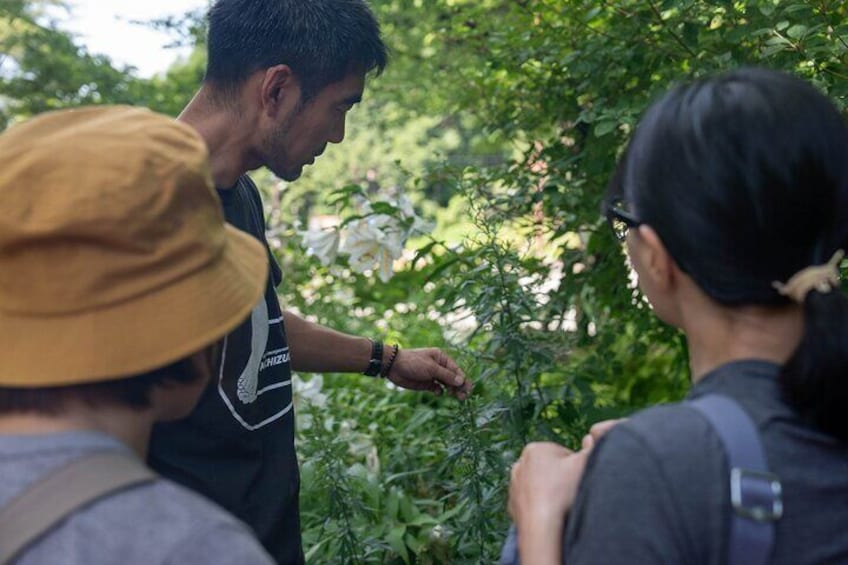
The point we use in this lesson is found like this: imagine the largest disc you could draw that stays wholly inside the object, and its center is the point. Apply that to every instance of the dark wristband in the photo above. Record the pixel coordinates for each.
(385, 372)
(376, 362)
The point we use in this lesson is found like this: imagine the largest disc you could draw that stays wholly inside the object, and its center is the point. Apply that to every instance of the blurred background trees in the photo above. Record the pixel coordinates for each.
(501, 121)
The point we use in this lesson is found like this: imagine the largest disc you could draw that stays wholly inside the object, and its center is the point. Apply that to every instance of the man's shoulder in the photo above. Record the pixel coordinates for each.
(242, 205)
(251, 197)
(246, 186)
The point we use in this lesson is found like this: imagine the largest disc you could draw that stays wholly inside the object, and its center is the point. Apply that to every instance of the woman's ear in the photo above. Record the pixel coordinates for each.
(655, 260)
(660, 279)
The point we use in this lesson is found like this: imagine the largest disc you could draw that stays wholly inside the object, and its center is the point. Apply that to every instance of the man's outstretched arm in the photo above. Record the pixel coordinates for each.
(319, 349)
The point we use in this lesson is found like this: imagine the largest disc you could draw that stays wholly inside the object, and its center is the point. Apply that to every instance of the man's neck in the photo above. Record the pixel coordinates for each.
(227, 137)
(130, 426)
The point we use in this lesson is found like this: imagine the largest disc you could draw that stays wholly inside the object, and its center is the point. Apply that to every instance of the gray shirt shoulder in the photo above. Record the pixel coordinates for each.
(656, 489)
(153, 523)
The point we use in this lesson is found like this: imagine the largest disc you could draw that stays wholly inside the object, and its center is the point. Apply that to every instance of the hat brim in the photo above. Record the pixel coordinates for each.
(137, 335)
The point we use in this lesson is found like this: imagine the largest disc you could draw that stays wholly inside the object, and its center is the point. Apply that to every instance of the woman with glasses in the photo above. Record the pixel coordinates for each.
(732, 199)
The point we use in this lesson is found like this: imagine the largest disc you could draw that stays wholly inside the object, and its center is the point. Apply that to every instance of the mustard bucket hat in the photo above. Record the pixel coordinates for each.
(114, 255)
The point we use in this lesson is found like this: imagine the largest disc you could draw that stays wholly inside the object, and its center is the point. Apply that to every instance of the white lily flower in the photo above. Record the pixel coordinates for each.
(405, 205)
(386, 265)
(374, 242)
(362, 205)
(309, 392)
(419, 224)
(323, 244)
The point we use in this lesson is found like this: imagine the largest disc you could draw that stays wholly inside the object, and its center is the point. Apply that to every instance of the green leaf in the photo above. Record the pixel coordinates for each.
(604, 127)
(797, 31)
(414, 543)
(396, 542)
(423, 520)
(392, 505)
(408, 511)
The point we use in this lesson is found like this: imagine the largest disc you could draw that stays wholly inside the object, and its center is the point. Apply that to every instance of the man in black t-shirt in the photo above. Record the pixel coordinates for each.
(281, 76)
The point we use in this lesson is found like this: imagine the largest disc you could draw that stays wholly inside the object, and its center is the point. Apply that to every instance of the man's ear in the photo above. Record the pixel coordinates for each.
(657, 261)
(279, 90)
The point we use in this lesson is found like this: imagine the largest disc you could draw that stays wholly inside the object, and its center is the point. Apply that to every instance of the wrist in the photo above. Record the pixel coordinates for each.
(540, 543)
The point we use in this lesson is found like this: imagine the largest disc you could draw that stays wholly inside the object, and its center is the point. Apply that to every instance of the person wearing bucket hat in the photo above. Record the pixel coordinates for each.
(281, 76)
(118, 279)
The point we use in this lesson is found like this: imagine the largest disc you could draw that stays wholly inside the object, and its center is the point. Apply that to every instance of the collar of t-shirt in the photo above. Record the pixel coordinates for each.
(72, 441)
(753, 383)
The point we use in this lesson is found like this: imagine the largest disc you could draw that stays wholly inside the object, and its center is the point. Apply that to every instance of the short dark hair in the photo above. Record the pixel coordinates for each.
(132, 391)
(320, 40)
(744, 176)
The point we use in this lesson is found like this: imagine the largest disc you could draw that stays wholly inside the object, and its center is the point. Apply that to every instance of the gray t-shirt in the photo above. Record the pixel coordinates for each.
(154, 523)
(656, 488)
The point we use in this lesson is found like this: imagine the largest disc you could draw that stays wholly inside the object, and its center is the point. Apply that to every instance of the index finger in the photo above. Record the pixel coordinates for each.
(599, 430)
(461, 392)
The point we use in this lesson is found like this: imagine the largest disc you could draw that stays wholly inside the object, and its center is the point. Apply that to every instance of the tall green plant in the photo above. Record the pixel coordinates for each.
(560, 336)
(503, 120)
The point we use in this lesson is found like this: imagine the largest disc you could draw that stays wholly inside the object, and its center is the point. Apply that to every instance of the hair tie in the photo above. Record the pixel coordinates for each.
(822, 278)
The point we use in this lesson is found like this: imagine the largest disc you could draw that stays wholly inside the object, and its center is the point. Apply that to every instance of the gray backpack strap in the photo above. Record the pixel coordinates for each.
(47, 502)
(755, 493)
(509, 551)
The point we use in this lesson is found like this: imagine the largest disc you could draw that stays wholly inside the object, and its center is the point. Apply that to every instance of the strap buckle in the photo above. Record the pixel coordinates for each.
(756, 494)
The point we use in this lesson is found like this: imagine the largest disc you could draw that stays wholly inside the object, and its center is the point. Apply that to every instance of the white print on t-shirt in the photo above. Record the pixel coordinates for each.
(248, 381)
(247, 386)
(273, 358)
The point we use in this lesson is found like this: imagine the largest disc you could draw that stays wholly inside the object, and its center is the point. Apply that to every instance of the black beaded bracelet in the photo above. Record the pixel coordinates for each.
(376, 361)
(385, 372)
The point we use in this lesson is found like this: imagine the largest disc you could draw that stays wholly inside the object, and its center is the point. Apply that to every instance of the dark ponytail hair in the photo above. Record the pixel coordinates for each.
(745, 178)
(814, 379)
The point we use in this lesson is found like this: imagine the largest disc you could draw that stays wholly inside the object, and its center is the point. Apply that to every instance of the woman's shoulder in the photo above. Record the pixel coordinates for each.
(654, 479)
(668, 429)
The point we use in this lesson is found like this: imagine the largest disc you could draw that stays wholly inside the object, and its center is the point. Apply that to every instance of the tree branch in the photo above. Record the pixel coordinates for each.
(670, 31)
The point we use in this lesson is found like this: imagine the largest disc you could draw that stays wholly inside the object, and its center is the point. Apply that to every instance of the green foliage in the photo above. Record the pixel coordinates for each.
(557, 337)
(364, 500)
(503, 121)
(43, 69)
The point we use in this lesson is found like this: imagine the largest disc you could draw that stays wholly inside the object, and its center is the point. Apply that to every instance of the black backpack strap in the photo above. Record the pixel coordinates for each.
(755, 493)
(49, 501)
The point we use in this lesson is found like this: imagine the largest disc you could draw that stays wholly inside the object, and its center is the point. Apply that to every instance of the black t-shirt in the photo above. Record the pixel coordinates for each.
(237, 447)
(656, 488)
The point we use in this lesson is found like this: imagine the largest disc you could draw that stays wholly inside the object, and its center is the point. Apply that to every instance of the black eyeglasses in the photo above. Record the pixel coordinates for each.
(620, 220)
